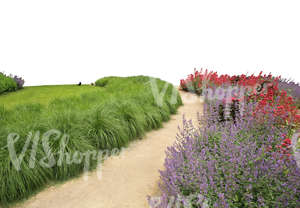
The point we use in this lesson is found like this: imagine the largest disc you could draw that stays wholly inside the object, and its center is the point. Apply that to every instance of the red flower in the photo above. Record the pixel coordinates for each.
(287, 141)
(280, 107)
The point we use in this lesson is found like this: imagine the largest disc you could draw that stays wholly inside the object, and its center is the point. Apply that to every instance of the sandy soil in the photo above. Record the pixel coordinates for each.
(127, 179)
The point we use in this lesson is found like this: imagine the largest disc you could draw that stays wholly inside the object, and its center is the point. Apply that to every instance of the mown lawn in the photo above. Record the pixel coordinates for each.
(44, 94)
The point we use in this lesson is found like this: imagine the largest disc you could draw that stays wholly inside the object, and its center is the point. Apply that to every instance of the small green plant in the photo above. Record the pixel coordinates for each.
(7, 84)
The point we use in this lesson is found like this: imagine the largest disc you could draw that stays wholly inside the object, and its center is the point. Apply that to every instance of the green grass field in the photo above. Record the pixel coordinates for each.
(95, 118)
(44, 94)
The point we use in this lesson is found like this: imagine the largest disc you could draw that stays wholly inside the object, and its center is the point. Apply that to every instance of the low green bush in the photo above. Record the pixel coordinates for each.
(7, 84)
(103, 81)
(104, 119)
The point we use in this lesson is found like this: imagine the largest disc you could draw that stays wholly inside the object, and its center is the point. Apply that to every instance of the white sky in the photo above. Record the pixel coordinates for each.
(67, 41)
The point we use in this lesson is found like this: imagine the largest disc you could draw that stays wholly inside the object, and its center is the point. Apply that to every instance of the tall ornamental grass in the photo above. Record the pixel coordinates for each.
(123, 111)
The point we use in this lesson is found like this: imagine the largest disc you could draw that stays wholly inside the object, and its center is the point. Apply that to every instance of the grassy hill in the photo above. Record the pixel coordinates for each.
(44, 94)
(94, 118)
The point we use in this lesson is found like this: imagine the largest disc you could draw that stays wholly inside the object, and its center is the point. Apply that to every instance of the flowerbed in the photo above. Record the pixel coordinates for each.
(231, 166)
(244, 159)
(274, 96)
(209, 79)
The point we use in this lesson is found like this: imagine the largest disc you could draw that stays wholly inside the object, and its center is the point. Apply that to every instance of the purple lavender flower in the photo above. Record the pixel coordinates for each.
(20, 82)
(229, 164)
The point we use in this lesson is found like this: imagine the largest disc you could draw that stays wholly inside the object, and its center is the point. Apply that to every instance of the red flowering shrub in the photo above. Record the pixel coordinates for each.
(277, 104)
(263, 89)
(270, 100)
(206, 78)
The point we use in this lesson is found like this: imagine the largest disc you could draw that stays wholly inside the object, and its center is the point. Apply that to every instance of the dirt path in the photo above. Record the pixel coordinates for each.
(126, 179)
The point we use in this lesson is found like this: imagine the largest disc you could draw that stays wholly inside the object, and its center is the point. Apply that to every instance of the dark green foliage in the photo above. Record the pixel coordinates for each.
(103, 81)
(7, 84)
(123, 110)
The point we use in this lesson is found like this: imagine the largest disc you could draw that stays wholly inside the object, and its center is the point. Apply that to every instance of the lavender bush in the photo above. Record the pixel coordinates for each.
(19, 81)
(9, 83)
(229, 165)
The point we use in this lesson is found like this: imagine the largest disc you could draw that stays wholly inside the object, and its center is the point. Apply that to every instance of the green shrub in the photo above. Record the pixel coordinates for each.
(103, 81)
(7, 84)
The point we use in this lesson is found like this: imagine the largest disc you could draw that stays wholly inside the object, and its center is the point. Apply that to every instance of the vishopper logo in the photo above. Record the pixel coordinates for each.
(223, 93)
(159, 95)
(189, 201)
(51, 158)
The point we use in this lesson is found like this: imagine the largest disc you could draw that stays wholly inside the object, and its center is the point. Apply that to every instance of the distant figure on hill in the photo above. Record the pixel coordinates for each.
(79, 84)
